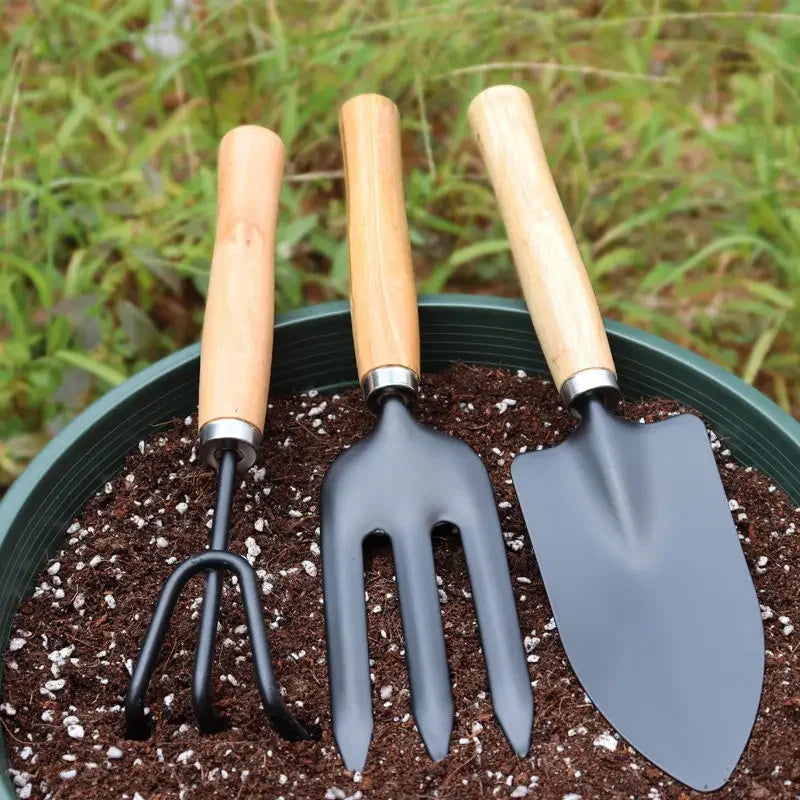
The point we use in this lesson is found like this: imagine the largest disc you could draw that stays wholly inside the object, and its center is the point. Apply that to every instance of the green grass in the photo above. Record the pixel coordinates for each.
(672, 132)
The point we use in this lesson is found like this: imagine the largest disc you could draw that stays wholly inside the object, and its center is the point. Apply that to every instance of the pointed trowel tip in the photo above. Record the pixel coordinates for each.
(703, 762)
(707, 779)
(706, 769)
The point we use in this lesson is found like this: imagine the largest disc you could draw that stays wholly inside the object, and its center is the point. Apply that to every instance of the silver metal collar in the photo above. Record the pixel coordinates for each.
(229, 433)
(393, 379)
(595, 379)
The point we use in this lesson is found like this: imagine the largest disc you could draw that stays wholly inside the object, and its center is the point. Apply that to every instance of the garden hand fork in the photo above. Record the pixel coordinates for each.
(404, 479)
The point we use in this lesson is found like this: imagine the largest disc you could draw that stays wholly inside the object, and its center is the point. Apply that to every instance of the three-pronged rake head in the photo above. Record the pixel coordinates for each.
(212, 562)
(403, 480)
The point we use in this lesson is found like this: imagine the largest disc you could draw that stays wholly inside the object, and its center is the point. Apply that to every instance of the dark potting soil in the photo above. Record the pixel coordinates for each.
(66, 668)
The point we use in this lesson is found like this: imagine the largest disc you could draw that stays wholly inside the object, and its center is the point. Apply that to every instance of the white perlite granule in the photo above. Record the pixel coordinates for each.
(607, 741)
(75, 731)
(311, 568)
(253, 550)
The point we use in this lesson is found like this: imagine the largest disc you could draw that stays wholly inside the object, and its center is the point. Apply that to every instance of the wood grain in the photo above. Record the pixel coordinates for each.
(236, 350)
(383, 299)
(557, 290)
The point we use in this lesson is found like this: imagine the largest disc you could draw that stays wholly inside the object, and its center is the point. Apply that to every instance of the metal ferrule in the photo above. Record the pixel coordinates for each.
(390, 380)
(229, 433)
(597, 380)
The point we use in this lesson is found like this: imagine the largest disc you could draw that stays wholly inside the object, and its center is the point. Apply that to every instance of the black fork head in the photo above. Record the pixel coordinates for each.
(403, 479)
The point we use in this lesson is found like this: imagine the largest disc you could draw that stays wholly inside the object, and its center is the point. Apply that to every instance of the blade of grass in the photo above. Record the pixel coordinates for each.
(107, 374)
(760, 350)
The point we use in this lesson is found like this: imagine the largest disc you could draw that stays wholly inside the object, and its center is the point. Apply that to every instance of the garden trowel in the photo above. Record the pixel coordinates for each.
(629, 522)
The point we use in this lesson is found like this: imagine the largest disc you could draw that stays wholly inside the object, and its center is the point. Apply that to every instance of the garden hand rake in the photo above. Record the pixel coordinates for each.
(234, 383)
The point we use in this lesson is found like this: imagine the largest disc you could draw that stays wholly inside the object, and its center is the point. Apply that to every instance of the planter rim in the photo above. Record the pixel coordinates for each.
(35, 471)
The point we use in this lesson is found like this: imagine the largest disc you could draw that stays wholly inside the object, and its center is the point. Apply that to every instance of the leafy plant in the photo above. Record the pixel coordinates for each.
(672, 136)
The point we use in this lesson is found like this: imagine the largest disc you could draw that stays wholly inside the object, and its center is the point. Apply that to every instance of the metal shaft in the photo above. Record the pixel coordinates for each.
(202, 697)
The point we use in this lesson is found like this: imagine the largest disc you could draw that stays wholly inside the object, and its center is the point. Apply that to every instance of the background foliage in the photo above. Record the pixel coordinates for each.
(672, 130)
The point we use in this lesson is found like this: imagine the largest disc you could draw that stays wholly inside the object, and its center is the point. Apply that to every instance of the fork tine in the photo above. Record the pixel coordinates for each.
(348, 648)
(426, 658)
(509, 680)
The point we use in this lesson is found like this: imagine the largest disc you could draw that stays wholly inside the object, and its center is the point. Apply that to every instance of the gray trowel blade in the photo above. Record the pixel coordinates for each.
(649, 587)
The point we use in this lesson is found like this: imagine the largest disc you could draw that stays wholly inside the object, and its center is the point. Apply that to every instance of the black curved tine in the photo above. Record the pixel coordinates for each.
(282, 719)
(202, 694)
(346, 630)
(423, 636)
(506, 665)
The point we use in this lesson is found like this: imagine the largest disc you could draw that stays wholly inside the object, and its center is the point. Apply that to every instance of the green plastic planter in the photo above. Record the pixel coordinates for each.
(313, 348)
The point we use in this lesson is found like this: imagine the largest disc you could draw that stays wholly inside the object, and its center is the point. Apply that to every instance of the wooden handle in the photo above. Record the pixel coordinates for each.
(554, 280)
(383, 299)
(236, 350)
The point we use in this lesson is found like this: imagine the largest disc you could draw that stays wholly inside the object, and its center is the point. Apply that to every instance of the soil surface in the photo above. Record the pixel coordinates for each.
(66, 669)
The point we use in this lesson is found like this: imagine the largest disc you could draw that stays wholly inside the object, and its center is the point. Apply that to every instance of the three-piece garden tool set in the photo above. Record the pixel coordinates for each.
(629, 523)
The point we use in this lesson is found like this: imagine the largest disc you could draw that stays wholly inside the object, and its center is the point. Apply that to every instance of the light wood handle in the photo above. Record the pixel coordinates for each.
(383, 298)
(554, 280)
(236, 350)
